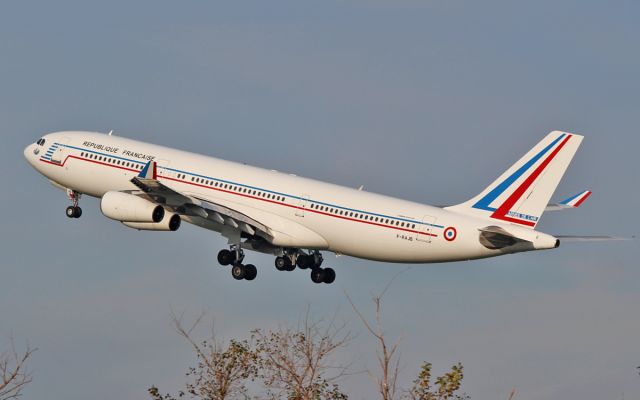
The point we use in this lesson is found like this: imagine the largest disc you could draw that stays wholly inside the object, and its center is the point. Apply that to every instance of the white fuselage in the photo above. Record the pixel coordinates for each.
(310, 213)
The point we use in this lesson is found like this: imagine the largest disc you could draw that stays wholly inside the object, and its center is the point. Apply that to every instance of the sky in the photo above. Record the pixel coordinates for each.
(426, 100)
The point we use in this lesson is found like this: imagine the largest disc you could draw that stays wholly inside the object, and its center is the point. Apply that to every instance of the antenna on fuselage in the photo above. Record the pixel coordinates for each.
(110, 132)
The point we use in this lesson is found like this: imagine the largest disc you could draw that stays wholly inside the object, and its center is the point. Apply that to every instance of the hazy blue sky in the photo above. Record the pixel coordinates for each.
(420, 99)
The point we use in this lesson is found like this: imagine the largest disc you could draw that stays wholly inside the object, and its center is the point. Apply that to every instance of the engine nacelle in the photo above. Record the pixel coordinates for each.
(170, 222)
(128, 207)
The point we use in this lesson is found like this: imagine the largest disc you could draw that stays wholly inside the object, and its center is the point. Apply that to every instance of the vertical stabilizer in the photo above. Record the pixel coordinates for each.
(520, 195)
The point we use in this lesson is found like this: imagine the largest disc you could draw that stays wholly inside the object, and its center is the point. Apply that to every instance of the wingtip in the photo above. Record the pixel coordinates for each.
(150, 171)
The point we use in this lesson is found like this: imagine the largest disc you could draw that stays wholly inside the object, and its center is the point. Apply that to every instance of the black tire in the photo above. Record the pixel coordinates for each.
(70, 212)
(226, 257)
(77, 212)
(329, 275)
(304, 261)
(250, 272)
(282, 263)
(317, 275)
(238, 272)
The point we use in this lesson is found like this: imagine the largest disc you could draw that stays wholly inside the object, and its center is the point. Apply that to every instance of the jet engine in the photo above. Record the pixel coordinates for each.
(130, 208)
(170, 223)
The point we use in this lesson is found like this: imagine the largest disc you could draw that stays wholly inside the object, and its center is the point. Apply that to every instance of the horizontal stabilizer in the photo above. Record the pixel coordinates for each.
(572, 202)
(569, 238)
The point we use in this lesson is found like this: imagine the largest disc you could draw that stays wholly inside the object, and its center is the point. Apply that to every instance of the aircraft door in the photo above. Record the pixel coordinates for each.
(60, 150)
(303, 203)
(163, 169)
(425, 229)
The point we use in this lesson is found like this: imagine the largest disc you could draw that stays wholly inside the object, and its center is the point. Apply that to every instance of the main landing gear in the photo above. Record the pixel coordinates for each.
(306, 261)
(286, 262)
(74, 211)
(234, 257)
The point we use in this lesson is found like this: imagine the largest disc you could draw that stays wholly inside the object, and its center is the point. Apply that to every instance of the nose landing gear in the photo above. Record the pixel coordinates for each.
(74, 211)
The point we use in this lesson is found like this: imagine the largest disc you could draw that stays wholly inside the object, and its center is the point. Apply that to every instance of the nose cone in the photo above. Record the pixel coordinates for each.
(29, 153)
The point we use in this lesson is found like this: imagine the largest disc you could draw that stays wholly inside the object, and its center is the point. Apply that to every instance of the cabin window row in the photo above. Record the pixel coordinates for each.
(363, 217)
(114, 161)
(235, 188)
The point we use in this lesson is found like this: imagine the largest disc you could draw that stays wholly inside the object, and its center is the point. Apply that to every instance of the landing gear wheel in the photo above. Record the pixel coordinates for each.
(250, 272)
(226, 257)
(238, 272)
(317, 275)
(74, 212)
(329, 275)
(304, 261)
(284, 264)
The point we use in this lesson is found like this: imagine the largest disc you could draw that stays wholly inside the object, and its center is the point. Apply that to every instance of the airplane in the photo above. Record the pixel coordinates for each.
(150, 187)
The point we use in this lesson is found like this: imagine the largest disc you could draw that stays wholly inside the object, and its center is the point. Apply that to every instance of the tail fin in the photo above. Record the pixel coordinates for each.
(521, 194)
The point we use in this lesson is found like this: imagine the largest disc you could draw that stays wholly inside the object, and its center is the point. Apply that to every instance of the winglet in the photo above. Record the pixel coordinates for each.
(150, 171)
(577, 200)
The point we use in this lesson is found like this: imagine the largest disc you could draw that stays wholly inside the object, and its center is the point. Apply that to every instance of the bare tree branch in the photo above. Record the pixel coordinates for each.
(388, 359)
(13, 374)
(221, 371)
(296, 363)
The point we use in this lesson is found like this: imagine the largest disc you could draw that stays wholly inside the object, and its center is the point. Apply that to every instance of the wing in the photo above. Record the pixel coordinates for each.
(195, 207)
(233, 221)
(570, 203)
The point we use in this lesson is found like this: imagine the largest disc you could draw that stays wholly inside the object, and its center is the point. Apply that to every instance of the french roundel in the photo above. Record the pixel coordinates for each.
(450, 234)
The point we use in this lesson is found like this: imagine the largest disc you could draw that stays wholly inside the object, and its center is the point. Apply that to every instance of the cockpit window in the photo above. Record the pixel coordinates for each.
(40, 142)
